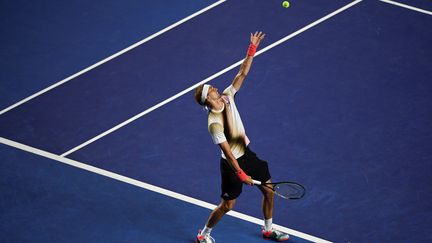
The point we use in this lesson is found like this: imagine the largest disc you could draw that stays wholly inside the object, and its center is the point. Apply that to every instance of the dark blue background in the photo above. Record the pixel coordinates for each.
(343, 108)
(47, 41)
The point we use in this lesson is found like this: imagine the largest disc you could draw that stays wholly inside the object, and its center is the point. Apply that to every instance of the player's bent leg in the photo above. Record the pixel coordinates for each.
(216, 215)
(224, 207)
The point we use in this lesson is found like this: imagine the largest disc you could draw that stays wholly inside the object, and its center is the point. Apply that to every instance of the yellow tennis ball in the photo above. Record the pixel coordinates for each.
(285, 4)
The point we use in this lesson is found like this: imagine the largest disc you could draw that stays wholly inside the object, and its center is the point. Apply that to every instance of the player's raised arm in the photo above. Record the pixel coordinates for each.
(255, 39)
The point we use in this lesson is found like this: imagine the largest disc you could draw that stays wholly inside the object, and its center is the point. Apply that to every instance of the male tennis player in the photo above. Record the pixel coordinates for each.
(238, 163)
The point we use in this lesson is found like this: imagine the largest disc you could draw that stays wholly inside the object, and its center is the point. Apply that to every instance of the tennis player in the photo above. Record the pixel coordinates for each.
(238, 163)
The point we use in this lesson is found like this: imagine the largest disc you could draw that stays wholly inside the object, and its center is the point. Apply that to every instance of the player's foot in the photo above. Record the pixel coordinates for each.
(204, 238)
(275, 235)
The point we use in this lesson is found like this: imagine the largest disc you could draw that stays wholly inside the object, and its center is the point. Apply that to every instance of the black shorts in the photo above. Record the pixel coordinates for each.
(251, 165)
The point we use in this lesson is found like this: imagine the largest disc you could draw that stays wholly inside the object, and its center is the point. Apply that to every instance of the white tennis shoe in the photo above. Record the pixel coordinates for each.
(275, 235)
(204, 238)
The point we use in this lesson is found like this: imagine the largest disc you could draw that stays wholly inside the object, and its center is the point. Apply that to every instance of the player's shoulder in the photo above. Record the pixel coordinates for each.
(230, 91)
(215, 127)
(215, 117)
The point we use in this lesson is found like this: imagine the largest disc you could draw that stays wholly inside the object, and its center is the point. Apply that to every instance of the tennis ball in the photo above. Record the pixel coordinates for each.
(285, 4)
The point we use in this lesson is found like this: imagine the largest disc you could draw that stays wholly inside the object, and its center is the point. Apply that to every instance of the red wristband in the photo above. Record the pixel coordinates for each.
(241, 175)
(251, 50)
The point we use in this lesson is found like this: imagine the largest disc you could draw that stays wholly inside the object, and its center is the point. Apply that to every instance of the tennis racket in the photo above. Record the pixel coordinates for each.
(285, 189)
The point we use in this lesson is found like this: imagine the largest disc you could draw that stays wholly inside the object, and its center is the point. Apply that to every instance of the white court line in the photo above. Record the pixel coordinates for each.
(110, 57)
(207, 79)
(153, 188)
(407, 7)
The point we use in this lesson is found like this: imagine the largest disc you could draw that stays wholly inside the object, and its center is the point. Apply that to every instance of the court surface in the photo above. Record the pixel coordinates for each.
(102, 140)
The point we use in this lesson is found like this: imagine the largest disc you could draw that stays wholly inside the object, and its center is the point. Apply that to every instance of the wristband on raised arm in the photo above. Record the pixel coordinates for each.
(251, 50)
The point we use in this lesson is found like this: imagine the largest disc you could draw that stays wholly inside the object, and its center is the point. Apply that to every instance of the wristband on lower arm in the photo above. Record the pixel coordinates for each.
(241, 175)
(251, 50)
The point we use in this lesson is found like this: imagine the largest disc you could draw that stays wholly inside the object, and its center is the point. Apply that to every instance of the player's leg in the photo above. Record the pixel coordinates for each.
(216, 215)
(259, 170)
(224, 207)
(267, 207)
(267, 201)
(231, 188)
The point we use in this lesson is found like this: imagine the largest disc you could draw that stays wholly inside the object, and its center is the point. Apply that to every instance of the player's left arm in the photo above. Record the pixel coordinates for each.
(255, 40)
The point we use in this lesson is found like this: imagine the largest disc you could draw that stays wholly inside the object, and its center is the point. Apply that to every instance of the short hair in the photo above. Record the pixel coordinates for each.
(198, 93)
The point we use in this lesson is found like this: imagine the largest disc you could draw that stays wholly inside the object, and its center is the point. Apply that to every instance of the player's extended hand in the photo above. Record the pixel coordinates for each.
(249, 181)
(257, 37)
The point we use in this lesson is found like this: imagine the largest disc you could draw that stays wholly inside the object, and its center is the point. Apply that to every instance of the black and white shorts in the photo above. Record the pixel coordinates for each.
(251, 165)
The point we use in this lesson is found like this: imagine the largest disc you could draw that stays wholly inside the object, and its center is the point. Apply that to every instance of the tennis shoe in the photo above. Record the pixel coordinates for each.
(275, 235)
(204, 238)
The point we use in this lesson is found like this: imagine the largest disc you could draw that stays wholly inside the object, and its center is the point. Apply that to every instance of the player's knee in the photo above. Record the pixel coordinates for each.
(227, 206)
(269, 194)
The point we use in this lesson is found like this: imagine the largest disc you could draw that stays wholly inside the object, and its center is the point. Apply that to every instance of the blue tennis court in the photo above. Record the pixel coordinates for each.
(102, 140)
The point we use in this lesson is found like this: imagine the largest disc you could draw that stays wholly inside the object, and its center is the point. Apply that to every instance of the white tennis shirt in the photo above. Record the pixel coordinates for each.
(228, 126)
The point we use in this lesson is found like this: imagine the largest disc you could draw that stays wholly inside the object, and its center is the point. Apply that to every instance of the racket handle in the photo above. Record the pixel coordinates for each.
(256, 182)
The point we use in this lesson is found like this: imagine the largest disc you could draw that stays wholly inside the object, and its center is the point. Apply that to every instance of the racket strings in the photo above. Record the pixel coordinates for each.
(288, 190)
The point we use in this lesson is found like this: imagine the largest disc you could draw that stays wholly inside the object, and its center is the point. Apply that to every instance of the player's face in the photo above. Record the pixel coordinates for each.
(213, 93)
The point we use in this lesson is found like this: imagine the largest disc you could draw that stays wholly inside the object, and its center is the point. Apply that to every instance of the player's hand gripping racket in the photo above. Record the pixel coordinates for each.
(286, 189)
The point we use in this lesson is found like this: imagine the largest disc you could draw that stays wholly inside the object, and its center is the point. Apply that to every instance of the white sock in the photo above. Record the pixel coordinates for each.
(268, 224)
(206, 231)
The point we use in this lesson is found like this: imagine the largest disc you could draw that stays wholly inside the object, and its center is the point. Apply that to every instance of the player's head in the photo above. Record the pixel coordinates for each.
(205, 95)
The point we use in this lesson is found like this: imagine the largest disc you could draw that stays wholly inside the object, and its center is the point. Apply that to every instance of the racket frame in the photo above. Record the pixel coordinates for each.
(272, 186)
